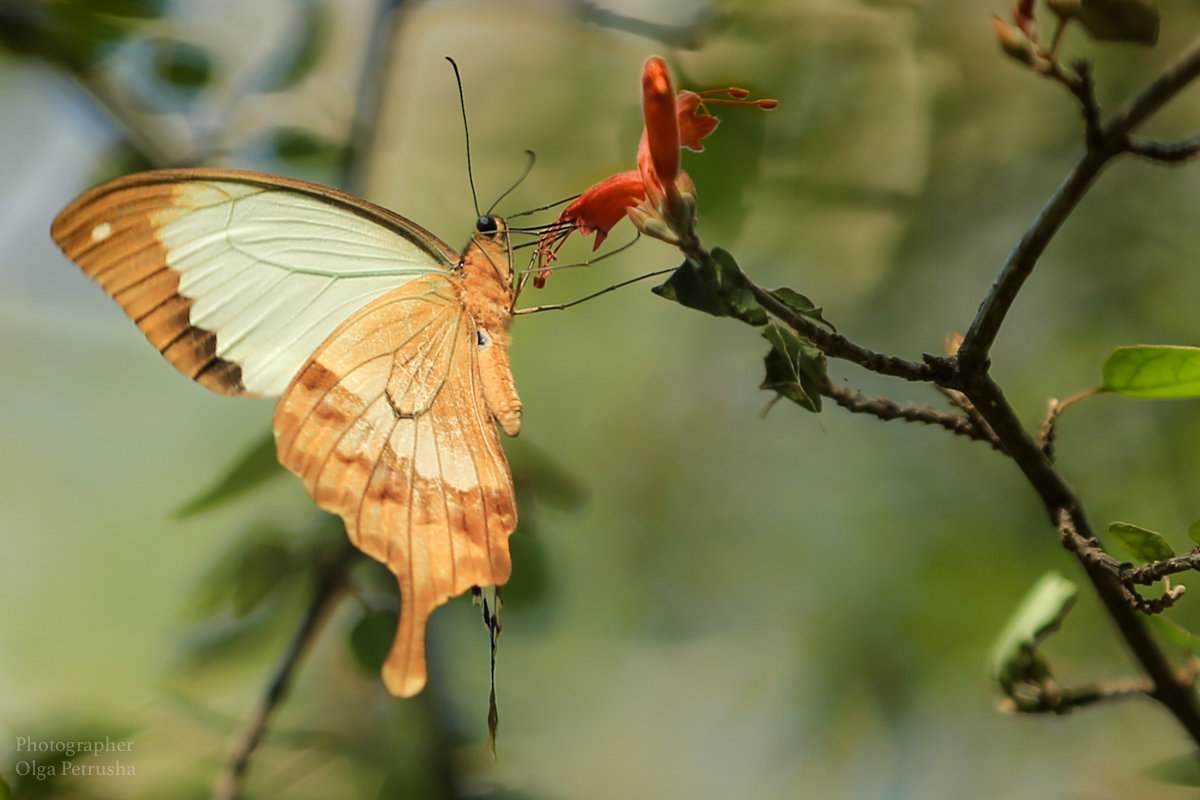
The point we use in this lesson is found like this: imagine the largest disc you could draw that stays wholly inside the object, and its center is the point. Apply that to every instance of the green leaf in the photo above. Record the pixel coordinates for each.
(1154, 371)
(544, 478)
(136, 9)
(233, 643)
(795, 368)
(1144, 545)
(371, 639)
(304, 51)
(1066, 9)
(263, 569)
(801, 305)
(530, 579)
(1181, 770)
(219, 584)
(1175, 633)
(252, 468)
(1194, 531)
(715, 286)
(302, 148)
(184, 66)
(1133, 21)
(1015, 656)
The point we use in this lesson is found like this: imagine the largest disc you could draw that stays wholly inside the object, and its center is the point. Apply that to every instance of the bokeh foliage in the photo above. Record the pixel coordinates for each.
(787, 605)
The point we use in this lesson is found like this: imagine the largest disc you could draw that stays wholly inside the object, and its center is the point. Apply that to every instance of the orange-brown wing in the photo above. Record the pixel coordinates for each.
(388, 427)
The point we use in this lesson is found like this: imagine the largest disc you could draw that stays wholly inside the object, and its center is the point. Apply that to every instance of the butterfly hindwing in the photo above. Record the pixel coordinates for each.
(388, 427)
(237, 277)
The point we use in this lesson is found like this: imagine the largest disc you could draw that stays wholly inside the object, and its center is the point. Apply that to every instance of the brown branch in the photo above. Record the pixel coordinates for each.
(330, 582)
(1054, 409)
(1113, 141)
(885, 409)
(835, 345)
(1155, 571)
(1174, 153)
(1066, 512)
(1053, 700)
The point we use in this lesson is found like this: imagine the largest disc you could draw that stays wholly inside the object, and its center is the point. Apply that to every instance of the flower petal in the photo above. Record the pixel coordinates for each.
(662, 121)
(693, 126)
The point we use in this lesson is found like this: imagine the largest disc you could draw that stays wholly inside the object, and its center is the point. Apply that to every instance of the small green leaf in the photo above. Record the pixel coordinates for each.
(219, 585)
(1175, 633)
(1181, 770)
(5, 792)
(1014, 656)
(371, 639)
(715, 286)
(136, 9)
(263, 569)
(1132, 21)
(1154, 371)
(232, 643)
(182, 65)
(1194, 531)
(1066, 9)
(252, 468)
(545, 479)
(801, 305)
(530, 579)
(795, 368)
(302, 148)
(1144, 545)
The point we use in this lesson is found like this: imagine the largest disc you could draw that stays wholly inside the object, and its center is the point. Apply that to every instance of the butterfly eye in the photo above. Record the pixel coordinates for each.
(484, 339)
(486, 224)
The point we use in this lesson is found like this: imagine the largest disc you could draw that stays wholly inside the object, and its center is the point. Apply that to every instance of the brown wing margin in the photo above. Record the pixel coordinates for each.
(112, 235)
(110, 231)
(388, 427)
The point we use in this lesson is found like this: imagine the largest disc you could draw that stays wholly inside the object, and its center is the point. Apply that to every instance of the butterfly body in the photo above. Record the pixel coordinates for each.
(389, 353)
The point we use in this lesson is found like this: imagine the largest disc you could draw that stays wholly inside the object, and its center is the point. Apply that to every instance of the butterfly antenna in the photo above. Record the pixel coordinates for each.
(543, 208)
(528, 168)
(462, 104)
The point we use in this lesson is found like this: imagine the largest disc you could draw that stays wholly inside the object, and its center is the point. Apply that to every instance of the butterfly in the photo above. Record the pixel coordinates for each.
(387, 349)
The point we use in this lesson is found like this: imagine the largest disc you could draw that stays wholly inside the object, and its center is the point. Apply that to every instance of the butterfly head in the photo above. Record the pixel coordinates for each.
(487, 269)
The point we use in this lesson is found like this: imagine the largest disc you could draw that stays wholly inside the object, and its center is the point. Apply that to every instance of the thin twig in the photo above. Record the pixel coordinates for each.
(835, 345)
(330, 582)
(886, 410)
(372, 83)
(1114, 140)
(1054, 409)
(1174, 153)
(1066, 513)
(1155, 571)
(1053, 700)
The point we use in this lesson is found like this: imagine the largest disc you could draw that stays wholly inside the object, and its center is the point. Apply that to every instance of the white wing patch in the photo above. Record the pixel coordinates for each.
(274, 272)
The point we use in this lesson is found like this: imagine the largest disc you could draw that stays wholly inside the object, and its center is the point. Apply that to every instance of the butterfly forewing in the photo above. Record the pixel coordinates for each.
(388, 427)
(237, 277)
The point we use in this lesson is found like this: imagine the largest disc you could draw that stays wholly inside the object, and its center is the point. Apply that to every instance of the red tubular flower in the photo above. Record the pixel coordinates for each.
(658, 151)
(659, 197)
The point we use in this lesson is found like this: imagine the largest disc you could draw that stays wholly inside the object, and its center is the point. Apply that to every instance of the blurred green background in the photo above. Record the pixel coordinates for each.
(778, 606)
